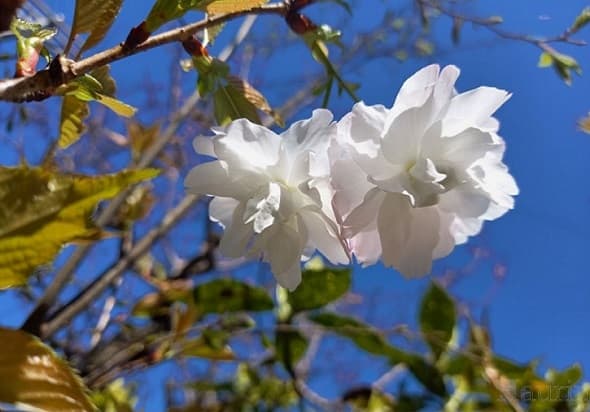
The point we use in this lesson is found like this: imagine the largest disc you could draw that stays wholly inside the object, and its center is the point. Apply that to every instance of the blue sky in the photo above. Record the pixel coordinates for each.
(540, 308)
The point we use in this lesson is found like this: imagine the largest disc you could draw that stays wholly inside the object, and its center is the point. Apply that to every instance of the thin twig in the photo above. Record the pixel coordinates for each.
(93, 291)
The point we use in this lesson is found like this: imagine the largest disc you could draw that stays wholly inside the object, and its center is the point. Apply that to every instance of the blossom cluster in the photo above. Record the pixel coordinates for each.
(403, 185)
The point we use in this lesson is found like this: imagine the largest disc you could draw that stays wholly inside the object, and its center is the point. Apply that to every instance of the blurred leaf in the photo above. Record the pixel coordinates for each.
(93, 17)
(371, 341)
(437, 319)
(290, 346)
(210, 345)
(35, 379)
(584, 124)
(231, 104)
(562, 63)
(456, 29)
(582, 20)
(42, 211)
(424, 47)
(364, 336)
(141, 137)
(318, 288)
(545, 60)
(369, 399)
(228, 295)
(115, 397)
(426, 374)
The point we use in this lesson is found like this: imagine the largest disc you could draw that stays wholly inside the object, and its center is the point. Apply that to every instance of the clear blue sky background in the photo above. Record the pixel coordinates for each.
(541, 307)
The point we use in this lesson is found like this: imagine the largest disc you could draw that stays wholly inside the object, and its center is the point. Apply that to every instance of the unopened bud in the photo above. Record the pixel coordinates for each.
(299, 23)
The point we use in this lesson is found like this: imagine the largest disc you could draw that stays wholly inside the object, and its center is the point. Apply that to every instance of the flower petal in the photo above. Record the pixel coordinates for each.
(237, 235)
(324, 236)
(409, 235)
(221, 210)
(213, 178)
(247, 145)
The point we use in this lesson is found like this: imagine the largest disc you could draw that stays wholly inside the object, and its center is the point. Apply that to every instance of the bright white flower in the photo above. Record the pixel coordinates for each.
(425, 174)
(272, 193)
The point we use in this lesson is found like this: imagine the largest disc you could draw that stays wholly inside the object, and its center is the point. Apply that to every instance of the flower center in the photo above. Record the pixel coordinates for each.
(425, 182)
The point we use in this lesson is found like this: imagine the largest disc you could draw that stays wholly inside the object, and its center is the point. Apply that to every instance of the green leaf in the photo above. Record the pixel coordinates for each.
(426, 374)
(290, 346)
(437, 319)
(211, 344)
(373, 342)
(582, 20)
(93, 17)
(318, 288)
(43, 211)
(231, 104)
(35, 379)
(228, 295)
(362, 335)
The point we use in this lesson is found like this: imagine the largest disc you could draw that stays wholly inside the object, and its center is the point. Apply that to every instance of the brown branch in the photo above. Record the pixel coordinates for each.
(44, 82)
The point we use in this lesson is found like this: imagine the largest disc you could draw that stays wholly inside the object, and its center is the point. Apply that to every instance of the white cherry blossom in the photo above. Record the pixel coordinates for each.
(415, 180)
(272, 193)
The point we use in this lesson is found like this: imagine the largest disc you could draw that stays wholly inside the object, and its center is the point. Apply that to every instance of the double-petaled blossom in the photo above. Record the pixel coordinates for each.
(413, 181)
(272, 193)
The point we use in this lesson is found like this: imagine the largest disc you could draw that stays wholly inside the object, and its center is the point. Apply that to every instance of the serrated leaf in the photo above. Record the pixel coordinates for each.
(231, 104)
(228, 295)
(73, 113)
(93, 17)
(35, 379)
(42, 211)
(232, 6)
(437, 318)
(318, 288)
(254, 97)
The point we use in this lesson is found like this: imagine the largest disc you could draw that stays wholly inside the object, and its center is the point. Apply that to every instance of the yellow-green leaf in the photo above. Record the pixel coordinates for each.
(93, 17)
(97, 86)
(232, 6)
(231, 104)
(34, 379)
(42, 211)
(117, 106)
(545, 60)
(73, 113)
(582, 20)
(254, 97)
